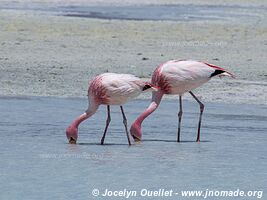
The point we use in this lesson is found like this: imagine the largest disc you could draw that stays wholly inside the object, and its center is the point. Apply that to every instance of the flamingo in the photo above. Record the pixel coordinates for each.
(109, 89)
(178, 77)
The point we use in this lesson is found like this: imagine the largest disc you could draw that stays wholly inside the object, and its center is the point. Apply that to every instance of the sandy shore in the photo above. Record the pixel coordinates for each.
(45, 55)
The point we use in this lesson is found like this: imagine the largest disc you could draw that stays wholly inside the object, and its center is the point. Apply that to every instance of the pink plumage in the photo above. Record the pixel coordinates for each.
(109, 89)
(178, 77)
(115, 89)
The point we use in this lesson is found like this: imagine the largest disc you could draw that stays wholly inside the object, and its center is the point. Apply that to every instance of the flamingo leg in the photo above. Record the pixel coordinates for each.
(200, 115)
(125, 124)
(179, 118)
(107, 124)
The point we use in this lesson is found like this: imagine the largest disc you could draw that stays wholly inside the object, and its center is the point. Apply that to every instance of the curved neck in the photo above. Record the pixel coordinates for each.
(88, 113)
(156, 98)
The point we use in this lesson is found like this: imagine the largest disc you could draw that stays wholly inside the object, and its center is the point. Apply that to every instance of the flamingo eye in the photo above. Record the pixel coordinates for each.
(146, 87)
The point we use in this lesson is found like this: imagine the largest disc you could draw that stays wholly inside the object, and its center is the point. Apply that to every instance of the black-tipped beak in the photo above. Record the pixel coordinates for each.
(146, 87)
(72, 141)
(150, 87)
(136, 139)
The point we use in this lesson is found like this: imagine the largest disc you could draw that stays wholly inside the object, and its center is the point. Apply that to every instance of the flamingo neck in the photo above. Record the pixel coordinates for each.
(88, 113)
(81, 118)
(156, 98)
(152, 107)
(136, 129)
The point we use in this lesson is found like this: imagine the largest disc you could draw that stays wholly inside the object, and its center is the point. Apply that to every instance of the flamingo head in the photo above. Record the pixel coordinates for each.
(136, 132)
(72, 134)
(146, 87)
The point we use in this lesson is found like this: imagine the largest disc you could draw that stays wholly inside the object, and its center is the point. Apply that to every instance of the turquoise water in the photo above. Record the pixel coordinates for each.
(38, 163)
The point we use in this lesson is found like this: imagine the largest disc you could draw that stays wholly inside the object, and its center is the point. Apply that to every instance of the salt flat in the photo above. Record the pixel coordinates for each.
(45, 54)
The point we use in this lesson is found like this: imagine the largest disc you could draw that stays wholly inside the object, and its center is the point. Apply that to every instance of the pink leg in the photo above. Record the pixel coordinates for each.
(180, 118)
(200, 116)
(125, 124)
(107, 124)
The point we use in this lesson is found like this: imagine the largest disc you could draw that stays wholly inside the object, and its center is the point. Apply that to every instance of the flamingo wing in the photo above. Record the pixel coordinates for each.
(180, 76)
(120, 87)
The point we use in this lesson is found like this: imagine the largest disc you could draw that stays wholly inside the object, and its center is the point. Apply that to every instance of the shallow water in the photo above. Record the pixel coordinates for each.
(38, 163)
(143, 12)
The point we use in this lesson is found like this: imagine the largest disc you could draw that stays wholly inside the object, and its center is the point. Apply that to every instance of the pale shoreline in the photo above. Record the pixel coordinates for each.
(44, 55)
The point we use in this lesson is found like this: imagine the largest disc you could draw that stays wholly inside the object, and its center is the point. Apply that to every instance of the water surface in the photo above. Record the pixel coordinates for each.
(38, 163)
(189, 12)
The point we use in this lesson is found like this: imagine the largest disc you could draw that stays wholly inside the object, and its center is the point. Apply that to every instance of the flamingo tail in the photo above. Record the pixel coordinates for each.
(220, 71)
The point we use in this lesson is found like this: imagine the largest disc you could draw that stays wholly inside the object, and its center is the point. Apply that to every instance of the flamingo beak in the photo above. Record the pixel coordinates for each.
(136, 139)
(72, 141)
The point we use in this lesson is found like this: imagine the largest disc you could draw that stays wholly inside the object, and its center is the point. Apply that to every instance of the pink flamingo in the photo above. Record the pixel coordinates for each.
(178, 77)
(109, 89)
